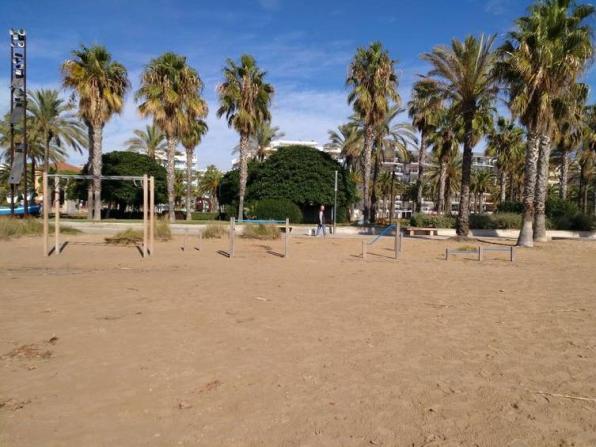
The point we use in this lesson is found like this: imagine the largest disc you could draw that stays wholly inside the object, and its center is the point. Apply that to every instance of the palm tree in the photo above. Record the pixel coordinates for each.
(423, 108)
(483, 181)
(540, 62)
(191, 139)
(348, 141)
(504, 142)
(150, 141)
(170, 92)
(244, 99)
(100, 84)
(462, 75)
(445, 147)
(209, 184)
(52, 123)
(373, 81)
(262, 138)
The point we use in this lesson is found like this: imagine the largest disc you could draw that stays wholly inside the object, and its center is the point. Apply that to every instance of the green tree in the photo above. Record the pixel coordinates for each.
(463, 75)
(209, 184)
(348, 141)
(190, 140)
(100, 85)
(262, 138)
(244, 99)
(424, 109)
(373, 81)
(540, 62)
(170, 93)
(151, 142)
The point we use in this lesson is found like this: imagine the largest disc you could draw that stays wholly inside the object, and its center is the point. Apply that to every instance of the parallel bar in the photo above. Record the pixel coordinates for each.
(46, 204)
(151, 215)
(145, 213)
(57, 215)
(102, 177)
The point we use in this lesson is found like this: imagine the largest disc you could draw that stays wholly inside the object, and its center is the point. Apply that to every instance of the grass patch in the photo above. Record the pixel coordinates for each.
(126, 237)
(467, 248)
(214, 231)
(261, 231)
(16, 227)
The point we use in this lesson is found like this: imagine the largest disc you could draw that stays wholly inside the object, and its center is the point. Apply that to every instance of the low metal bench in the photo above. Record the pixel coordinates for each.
(480, 252)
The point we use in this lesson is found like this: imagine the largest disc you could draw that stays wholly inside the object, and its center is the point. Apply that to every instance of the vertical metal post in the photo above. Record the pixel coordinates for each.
(25, 183)
(480, 253)
(511, 254)
(200, 240)
(145, 213)
(46, 205)
(396, 248)
(57, 215)
(286, 238)
(363, 250)
(185, 239)
(335, 205)
(151, 215)
(232, 235)
(446, 254)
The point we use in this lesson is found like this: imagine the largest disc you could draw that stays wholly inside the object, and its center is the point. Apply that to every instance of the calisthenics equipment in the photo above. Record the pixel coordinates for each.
(148, 183)
(397, 241)
(480, 252)
(232, 232)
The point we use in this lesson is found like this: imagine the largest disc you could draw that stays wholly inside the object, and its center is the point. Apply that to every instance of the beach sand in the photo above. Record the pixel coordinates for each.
(99, 347)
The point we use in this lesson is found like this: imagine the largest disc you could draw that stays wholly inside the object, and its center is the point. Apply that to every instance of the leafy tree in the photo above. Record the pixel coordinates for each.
(170, 92)
(463, 76)
(300, 174)
(373, 81)
(127, 193)
(100, 84)
(151, 142)
(244, 99)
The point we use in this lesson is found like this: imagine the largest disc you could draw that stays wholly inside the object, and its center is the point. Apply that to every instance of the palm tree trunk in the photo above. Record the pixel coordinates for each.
(526, 233)
(442, 186)
(171, 178)
(502, 185)
(448, 196)
(368, 142)
(243, 174)
(541, 189)
(46, 154)
(419, 180)
(96, 169)
(373, 193)
(189, 153)
(89, 165)
(463, 218)
(480, 202)
(564, 175)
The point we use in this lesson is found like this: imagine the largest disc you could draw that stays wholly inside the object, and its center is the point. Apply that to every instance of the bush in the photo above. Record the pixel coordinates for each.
(126, 237)
(510, 207)
(277, 209)
(261, 232)
(15, 227)
(204, 216)
(432, 221)
(162, 230)
(214, 231)
(566, 215)
(497, 221)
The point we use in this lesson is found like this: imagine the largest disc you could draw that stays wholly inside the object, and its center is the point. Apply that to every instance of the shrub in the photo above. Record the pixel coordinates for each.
(126, 237)
(432, 221)
(277, 209)
(565, 215)
(162, 230)
(204, 216)
(214, 231)
(510, 207)
(15, 227)
(497, 221)
(261, 232)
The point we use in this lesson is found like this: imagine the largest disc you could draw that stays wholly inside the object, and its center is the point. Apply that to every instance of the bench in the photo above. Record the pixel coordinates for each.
(413, 231)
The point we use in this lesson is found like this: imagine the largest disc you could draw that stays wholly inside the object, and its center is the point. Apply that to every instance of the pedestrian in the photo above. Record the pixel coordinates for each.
(321, 221)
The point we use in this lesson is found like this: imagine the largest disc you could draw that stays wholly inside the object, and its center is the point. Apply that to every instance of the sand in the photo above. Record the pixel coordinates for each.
(99, 347)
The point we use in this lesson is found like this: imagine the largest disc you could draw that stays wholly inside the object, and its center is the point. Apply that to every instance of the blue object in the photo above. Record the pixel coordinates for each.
(20, 210)
(382, 233)
(261, 221)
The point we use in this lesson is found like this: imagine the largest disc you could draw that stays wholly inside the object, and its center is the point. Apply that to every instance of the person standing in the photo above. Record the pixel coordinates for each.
(321, 221)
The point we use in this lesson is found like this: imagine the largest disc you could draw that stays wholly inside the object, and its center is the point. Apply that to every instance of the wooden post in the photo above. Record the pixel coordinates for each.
(46, 211)
(480, 253)
(446, 254)
(151, 215)
(232, 235)
(286, 238)
(364, 250)
(511, 254)
(145, 214)
(57, 215)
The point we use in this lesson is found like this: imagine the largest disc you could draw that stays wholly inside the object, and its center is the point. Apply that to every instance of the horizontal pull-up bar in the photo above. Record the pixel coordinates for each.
(101, 177)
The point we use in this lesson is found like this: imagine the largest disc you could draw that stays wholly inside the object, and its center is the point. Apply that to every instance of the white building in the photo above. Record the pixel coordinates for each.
(276, 144)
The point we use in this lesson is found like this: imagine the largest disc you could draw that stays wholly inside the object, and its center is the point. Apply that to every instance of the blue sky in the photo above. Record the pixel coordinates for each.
(305, 46)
